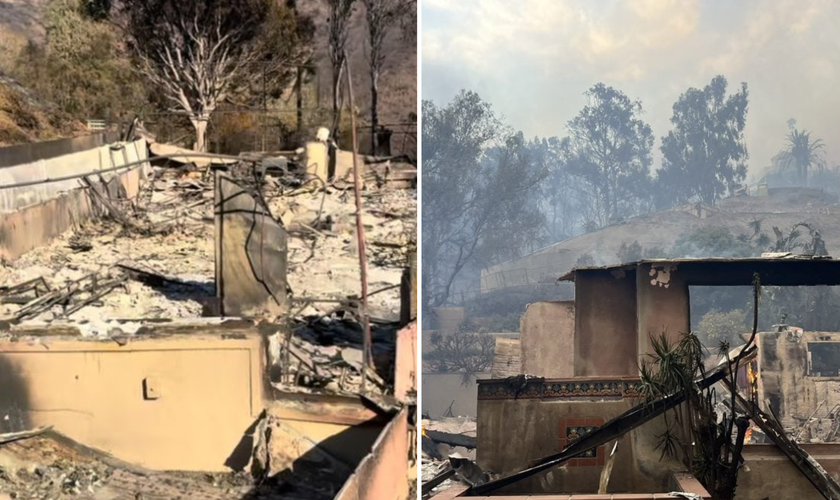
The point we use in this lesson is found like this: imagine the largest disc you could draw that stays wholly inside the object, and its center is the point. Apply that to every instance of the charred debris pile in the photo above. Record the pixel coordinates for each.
(152, 257)
(293, 274)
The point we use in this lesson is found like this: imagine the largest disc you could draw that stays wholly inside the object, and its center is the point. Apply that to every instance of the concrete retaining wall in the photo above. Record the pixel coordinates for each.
(32, 215)
(44, 150)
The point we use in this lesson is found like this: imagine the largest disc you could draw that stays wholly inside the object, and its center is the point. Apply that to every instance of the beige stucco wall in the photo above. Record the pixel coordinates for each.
(208, 389)
(605, 324)
(547, 336)
(384, 473)
(512, 433)
(662, 304)
(770, 474)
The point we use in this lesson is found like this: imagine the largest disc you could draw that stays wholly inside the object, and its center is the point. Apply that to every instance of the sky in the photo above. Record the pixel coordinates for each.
(534, 59)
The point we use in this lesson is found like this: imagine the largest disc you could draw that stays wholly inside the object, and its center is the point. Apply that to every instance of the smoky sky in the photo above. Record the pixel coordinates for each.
(533, 59)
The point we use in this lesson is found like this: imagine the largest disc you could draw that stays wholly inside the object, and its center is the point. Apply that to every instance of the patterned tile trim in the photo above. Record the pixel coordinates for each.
(572, 429)
(538, 388)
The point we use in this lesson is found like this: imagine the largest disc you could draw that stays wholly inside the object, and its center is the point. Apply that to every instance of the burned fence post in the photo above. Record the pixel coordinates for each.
(251, 253)
(408, 291)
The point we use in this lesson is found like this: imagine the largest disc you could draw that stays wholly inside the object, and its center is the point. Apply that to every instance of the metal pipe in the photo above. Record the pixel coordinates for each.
(360, 232)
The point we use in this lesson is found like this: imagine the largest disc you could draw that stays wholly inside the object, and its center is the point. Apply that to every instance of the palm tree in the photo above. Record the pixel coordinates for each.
(802, 153)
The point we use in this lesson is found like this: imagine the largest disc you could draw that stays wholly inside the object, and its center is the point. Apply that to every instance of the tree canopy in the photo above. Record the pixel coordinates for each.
(802, 153)
(609, 149)
(80, 65)
(479, 184)
(704, 156)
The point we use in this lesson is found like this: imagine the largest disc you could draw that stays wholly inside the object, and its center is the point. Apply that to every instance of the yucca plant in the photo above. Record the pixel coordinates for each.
(694, 430)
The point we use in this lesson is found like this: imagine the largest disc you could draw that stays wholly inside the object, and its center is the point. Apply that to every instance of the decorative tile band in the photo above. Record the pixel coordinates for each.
(572, 429)
(540, 388)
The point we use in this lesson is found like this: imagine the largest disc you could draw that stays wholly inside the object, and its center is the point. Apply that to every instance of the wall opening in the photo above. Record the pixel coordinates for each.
(726, 312)
(824, 359)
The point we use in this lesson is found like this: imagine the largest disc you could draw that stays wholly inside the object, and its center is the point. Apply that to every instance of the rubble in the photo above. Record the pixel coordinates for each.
(170, 274)
(154, 258)
(442, 440)
(51, 467)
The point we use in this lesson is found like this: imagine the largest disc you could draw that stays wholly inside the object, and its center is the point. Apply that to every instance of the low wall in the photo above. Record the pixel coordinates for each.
(33, 215)
(383, 473)
(163, 401)
(516, 428)
(97, 158)
(405, 365)
(44, 150)
(770, 474)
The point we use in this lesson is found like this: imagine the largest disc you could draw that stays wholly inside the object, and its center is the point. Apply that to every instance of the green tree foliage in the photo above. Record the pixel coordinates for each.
(609, 150)
(711, 241)
(717, 326)
(708, 447)
(791, 242)
(479, 181)
(704, 156)
(80, 66)
(802, 154)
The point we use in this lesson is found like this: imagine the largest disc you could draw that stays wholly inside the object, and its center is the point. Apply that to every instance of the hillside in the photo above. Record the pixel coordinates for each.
(398, 93)
(783, 208)
(20, 20)
(24, 119)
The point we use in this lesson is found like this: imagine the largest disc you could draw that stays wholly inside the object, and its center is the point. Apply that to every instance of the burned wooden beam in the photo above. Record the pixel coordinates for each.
(10, 437)
(451, 439)
(615, 428)
(434, 482)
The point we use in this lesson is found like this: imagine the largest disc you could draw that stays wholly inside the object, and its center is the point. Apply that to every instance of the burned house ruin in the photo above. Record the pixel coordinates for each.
(188, 326)
(580, 371)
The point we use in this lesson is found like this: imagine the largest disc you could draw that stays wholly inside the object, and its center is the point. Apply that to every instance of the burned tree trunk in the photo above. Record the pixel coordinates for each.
(374, 110)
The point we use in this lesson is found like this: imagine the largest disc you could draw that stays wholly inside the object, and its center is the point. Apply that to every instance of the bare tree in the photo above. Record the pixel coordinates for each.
(340, 12)
(197, 53)
(381, 16)
(197, 73)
